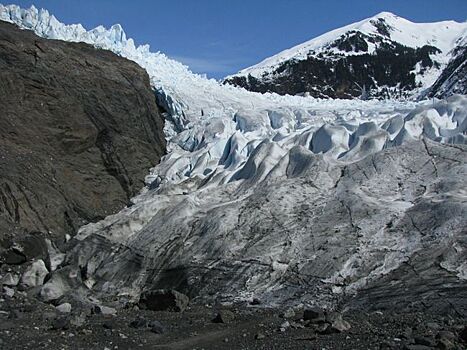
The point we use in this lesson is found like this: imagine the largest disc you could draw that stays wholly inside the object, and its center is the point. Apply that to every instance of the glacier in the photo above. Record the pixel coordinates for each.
(284, 198)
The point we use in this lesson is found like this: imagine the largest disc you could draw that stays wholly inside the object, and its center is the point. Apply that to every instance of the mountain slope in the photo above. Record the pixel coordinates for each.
(79, 129)
(382, 56)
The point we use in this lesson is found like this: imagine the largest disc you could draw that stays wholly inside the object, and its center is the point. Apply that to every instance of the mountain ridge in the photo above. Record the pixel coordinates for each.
(414, 53)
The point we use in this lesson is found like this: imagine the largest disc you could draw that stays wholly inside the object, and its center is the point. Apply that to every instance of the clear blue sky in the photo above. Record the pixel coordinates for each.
(219, 37)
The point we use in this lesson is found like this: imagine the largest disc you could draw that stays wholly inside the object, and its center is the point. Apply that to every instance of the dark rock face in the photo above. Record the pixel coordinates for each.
(382, 27)
(79, 129)
(352, 72)
(453, 79)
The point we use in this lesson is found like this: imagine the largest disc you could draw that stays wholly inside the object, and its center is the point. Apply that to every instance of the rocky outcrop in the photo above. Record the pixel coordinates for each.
(79, 129)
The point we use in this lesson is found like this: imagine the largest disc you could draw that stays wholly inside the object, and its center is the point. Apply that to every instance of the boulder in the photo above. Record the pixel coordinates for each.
(224, 316)
(64, 308)
(14, 256)
(322, 328)
(29, 247)
(164, 300)
(61, 323)
(314, 315)
(445, 344)
(284, 325)
(54, 289)
(104, 310)
(35, 274)
(259, 336)
(156, 327)
(109, 324)
(78, 320)
(9, 292)
(289, 313)
(427, 341)
(139, 322)
(10, 280)
(336, 323)
(446, 335)
(255, 301)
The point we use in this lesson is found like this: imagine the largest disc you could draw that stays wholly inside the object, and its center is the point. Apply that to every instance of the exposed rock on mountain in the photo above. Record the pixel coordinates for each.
(384, 56)
(79, 129)
(453, 79)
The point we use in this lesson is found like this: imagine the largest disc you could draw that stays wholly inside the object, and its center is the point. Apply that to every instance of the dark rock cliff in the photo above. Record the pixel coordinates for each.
(79, 129)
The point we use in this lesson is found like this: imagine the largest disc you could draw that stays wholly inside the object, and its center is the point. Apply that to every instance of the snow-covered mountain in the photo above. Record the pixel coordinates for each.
(382, 56)
(287, 198)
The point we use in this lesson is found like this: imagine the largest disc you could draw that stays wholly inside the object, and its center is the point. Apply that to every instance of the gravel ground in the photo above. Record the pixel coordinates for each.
(26, 323)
